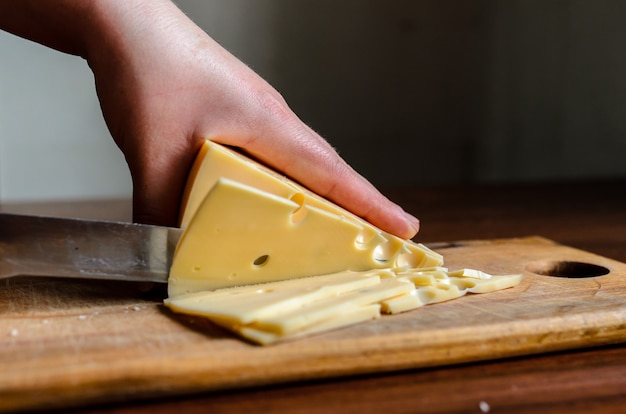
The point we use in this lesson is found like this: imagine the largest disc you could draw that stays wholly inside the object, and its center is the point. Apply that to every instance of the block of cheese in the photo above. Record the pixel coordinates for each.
(215, 162)
(240, 235)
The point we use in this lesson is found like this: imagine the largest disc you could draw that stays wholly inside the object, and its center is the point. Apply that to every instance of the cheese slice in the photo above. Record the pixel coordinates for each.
(281, 310)
(277, 311)
(349, 316)
(485, 285)
(247, 304)
(240, 235)
(286, 323)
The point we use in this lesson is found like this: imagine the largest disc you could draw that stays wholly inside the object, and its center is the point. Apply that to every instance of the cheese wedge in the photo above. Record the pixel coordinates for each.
(240, 235)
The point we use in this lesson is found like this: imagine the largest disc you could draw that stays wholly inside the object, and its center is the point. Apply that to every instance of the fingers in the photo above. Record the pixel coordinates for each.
(183, 87)
(282, 141)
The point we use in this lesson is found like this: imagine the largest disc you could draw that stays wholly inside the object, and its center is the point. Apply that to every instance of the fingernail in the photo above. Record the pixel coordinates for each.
(413, 222)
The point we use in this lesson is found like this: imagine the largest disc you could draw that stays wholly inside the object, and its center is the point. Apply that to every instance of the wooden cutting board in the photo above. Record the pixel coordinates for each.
(65, 343)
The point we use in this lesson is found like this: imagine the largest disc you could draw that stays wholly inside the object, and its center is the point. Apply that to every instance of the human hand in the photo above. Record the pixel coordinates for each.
(164, 86)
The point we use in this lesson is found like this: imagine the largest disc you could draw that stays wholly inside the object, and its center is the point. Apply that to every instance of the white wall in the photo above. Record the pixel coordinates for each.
(53, 141)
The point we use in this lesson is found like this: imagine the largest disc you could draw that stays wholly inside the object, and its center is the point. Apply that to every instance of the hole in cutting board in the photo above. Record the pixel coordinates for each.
(567, 269)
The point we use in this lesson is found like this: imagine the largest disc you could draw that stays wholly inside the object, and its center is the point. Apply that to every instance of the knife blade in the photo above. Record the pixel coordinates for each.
(86, 249)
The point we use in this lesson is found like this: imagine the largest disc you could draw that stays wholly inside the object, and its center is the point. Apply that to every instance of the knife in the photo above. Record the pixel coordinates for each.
(85, 249)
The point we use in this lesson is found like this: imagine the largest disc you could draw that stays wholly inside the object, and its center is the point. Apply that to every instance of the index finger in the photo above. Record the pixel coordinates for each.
(309, 159)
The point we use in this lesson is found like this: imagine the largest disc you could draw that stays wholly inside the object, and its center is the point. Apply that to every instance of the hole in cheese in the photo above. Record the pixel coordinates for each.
(261, 260)
(381, 254)
(300, 212)
(385, 251)
(406, 260)
(366, 238)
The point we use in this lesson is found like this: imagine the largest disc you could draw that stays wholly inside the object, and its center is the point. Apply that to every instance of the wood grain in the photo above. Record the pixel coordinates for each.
(69, 342)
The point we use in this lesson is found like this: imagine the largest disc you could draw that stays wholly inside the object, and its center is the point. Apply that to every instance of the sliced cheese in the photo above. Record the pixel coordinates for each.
(287, 309)
(354, 314)
(425, 295)
(491, 284)
(470, 273)
(403, 303)
(430, 278)
(240, 235)
(250, 303)
(287, 323)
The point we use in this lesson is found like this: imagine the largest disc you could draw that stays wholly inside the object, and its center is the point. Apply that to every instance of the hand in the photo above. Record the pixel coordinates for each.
(164, 86)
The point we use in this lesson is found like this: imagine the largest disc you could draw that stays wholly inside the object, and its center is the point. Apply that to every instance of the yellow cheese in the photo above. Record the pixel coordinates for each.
(290, 308)
(424, 295)
(428, 278)
(215, 161)
(485, 285)
(403, 303)
(470, 273)
(287, 309)
(240, 235)
(270, 260)
(286, 323)
(349, 316)
(247, 304)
